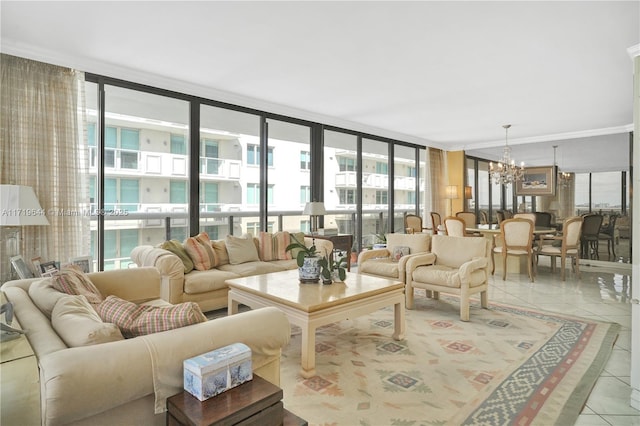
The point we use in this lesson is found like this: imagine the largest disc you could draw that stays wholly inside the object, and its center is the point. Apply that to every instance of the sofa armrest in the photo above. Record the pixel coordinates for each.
(170, 266)
(80, 382)
(324, 247)
(372, 254)
(467, 268)
(417, 260)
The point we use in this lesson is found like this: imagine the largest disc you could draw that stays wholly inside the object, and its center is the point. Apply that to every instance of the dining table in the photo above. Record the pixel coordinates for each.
(515, 264)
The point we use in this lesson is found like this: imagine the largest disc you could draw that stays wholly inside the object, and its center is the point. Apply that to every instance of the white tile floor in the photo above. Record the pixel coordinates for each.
(602, 293)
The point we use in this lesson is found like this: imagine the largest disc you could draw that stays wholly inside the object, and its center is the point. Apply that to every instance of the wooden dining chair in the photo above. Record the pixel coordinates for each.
(515, 239)
(569, 246)
(436, 221)
(455, 226)
(413, 224)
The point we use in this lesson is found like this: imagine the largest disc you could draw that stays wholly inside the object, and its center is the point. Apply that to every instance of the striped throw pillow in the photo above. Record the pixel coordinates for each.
(280, 242)
(200, 251)
(265, 246)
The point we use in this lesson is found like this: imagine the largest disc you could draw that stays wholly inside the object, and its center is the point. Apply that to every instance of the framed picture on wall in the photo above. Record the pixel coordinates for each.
(537, 181)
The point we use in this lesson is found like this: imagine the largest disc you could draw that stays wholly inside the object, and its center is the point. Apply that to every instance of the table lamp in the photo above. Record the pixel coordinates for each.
(19, 206)
(314, 209)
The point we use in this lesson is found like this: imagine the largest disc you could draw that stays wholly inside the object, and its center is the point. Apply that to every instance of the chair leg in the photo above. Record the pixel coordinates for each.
(484, 299)
(408, 296)
(493, 262)
(577, 263)
(562, 265)
(464, 307)
(504, 266)
(529, 266)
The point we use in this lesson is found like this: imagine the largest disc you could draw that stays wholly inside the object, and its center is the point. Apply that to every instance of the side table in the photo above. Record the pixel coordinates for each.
(19, 381)
(343, 242)
(256, 402)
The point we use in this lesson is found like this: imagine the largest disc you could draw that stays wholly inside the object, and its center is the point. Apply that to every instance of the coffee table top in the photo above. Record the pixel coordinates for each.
(284, 287)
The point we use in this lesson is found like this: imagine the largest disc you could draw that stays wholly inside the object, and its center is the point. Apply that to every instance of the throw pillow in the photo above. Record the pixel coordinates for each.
(137, 320)
(78, 324)
(400, 251)
(73, 281)
(296, 237)
(265, 244)
(280, 242)
(178, 249)
(200, 251)
(273, 246)
(44, 295)
(241, 250)
(220, 249)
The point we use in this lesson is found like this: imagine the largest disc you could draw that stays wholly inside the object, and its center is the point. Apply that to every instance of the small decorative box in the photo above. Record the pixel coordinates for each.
(212, 373)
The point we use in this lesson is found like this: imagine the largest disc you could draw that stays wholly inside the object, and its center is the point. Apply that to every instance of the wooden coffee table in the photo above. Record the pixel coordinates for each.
(310, 306)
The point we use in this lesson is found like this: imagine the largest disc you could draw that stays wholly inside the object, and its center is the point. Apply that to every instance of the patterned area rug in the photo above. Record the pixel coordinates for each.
(508, 365)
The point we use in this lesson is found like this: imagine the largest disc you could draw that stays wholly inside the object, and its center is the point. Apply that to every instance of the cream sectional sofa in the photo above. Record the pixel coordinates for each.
(127, 381)
(208, 288)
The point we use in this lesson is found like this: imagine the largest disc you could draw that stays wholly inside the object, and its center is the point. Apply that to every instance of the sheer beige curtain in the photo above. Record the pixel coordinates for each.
(435, 183)
(43, 145)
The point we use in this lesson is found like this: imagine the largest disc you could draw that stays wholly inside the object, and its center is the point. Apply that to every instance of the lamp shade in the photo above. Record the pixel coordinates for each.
(19, 206)
(314, 208)
(468, 192)
(451, 192)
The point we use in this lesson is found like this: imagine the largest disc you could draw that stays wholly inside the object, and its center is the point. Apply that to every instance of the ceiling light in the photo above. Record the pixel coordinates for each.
(506, 171)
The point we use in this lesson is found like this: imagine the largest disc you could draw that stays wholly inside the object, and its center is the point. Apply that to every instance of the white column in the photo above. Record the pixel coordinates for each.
(635, 209)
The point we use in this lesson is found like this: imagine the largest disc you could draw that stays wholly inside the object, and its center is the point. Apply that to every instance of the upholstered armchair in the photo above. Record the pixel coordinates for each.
(455, 265)
(390, 262)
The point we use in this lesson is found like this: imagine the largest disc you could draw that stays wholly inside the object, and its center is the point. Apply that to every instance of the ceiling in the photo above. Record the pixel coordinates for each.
(441, 74)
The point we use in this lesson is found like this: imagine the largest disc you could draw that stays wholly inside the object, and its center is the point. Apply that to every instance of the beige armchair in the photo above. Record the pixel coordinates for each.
(455, 265)
(382, 263)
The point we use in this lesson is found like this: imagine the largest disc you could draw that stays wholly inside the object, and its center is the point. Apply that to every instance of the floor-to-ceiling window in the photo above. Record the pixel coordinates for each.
(375, 190)
(405, 171)
(340, 160)
(145, 166)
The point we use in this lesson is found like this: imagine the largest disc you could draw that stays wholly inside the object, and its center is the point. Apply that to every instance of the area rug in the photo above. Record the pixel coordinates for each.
(508, 365)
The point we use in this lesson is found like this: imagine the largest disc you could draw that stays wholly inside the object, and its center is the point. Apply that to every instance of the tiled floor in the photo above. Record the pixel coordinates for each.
(602, 294)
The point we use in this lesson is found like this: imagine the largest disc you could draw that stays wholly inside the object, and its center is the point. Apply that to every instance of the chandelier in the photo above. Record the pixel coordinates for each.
(506, 171)
(564, 178)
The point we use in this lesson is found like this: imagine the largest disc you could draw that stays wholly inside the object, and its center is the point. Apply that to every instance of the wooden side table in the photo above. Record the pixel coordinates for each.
(19, 381)
(343, 242)
(256, 402)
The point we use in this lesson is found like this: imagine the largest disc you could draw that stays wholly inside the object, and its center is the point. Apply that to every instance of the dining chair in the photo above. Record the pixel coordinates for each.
(515, 239)
(455, 226)
(469, 220)
(413, 224)
(484, 217)
(528, 216)
(436, 221)
(543, 219)
(607, 233)
(569, 246)
(589, 235)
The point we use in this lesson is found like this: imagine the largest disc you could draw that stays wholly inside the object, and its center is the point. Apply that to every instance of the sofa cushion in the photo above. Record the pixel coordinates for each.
(220, 249)
(446, 276)
(78, 324)
(241, 250)
(44, 295)
(178, 249)
(200, 251)
(265, 246)
(384, 267)
(73, 281)
(137, 320)
(204, 281)
(417, 243)
(252, 268)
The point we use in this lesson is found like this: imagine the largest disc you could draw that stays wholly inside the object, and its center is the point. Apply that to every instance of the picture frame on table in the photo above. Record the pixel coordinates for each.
(47, 269)
(537, 181)
(21, 267)
(35, 261)
(85, 263)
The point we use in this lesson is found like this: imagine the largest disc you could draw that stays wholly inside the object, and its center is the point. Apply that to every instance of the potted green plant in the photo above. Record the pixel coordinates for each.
(307, 259)
(333, 270)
